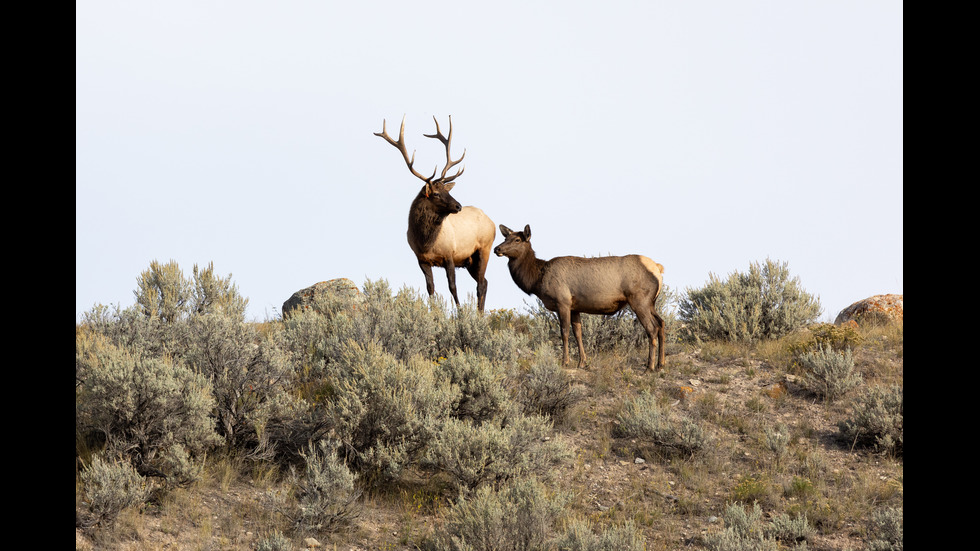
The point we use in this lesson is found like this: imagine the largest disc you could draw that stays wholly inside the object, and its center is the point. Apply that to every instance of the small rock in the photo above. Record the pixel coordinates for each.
(311, 543)
(639, 461)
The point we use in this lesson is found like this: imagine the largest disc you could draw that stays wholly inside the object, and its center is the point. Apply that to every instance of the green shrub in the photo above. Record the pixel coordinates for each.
(836, 337)
(620, 332)
(249, 375)
(405, 325)
(579, 535)
(130, 329)
(481, 394)
(877, 420)
(275, 541)
(383, 412)
(745, 530)
(310, 342)
(108, 489)
(402, 325)
(213, 294)
(800, 487)
(468, 330)
(518, 517)
(828, 373)
(643, 417)
(325, 495)
(764, 303)
(158, 325)
(153, 411)
(409, 325)
(790, 529)
(777, 441)
(751, 488)
(163, 292)
(547, 389)
(497, 450)
(885, 530)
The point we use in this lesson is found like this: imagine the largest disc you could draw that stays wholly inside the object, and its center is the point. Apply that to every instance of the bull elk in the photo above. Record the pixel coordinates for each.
(441, 232)
(573, 285)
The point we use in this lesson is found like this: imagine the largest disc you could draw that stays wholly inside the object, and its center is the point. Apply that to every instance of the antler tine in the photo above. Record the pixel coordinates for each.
(400, 145)
(447, 141)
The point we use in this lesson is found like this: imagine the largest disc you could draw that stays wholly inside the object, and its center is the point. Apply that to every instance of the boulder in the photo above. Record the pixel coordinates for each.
(306, 299)
(876, 309)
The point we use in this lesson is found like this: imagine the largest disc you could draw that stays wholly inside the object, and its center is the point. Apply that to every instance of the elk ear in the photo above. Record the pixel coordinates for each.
(428, 189)
(504, 231)
(448, 186)
(527, 231)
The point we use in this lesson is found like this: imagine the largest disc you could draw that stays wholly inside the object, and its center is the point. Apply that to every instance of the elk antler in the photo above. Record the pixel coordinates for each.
(446, 141)
(400, 144)
(410, 161)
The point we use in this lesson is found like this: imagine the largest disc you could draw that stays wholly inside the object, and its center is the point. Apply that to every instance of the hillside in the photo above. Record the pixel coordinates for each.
(739, 395)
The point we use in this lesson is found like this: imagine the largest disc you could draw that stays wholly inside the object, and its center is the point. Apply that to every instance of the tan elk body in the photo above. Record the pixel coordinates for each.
(574, 285)
(441, 232)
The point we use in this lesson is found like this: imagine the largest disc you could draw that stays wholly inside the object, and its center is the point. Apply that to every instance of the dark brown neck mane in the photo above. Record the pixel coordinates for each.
(424, 221)
(526, 270)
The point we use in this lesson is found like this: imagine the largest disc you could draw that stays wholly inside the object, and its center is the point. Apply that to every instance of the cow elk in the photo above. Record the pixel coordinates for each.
(573, 285)
(441, 232)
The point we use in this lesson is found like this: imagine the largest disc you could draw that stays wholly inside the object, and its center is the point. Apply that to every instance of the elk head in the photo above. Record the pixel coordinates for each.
(515, 244)
(435, 189)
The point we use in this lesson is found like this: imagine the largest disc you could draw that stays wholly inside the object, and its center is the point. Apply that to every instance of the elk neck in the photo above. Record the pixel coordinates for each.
(526, 270)
(424, 221)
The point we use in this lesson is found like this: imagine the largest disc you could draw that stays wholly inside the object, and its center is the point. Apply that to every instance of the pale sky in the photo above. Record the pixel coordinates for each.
(707, 135)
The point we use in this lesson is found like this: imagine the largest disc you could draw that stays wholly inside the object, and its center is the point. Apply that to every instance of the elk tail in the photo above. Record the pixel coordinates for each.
(654, 268)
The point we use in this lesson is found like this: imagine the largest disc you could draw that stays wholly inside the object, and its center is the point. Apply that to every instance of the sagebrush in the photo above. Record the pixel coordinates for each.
(763, 303)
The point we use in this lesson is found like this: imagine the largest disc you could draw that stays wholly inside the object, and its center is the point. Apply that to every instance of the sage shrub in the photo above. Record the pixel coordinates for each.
(763, 303)
(519, 517)
(645, 418)
(109, 487)
(829, 373)
(876, 420)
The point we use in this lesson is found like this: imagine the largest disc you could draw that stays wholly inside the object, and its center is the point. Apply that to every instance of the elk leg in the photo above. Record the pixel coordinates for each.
(577, 328)
(661, 337)
(451, 277)
(654, 326)
(478, 268)
(430, 285)
(564, 320)
(481, 294)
